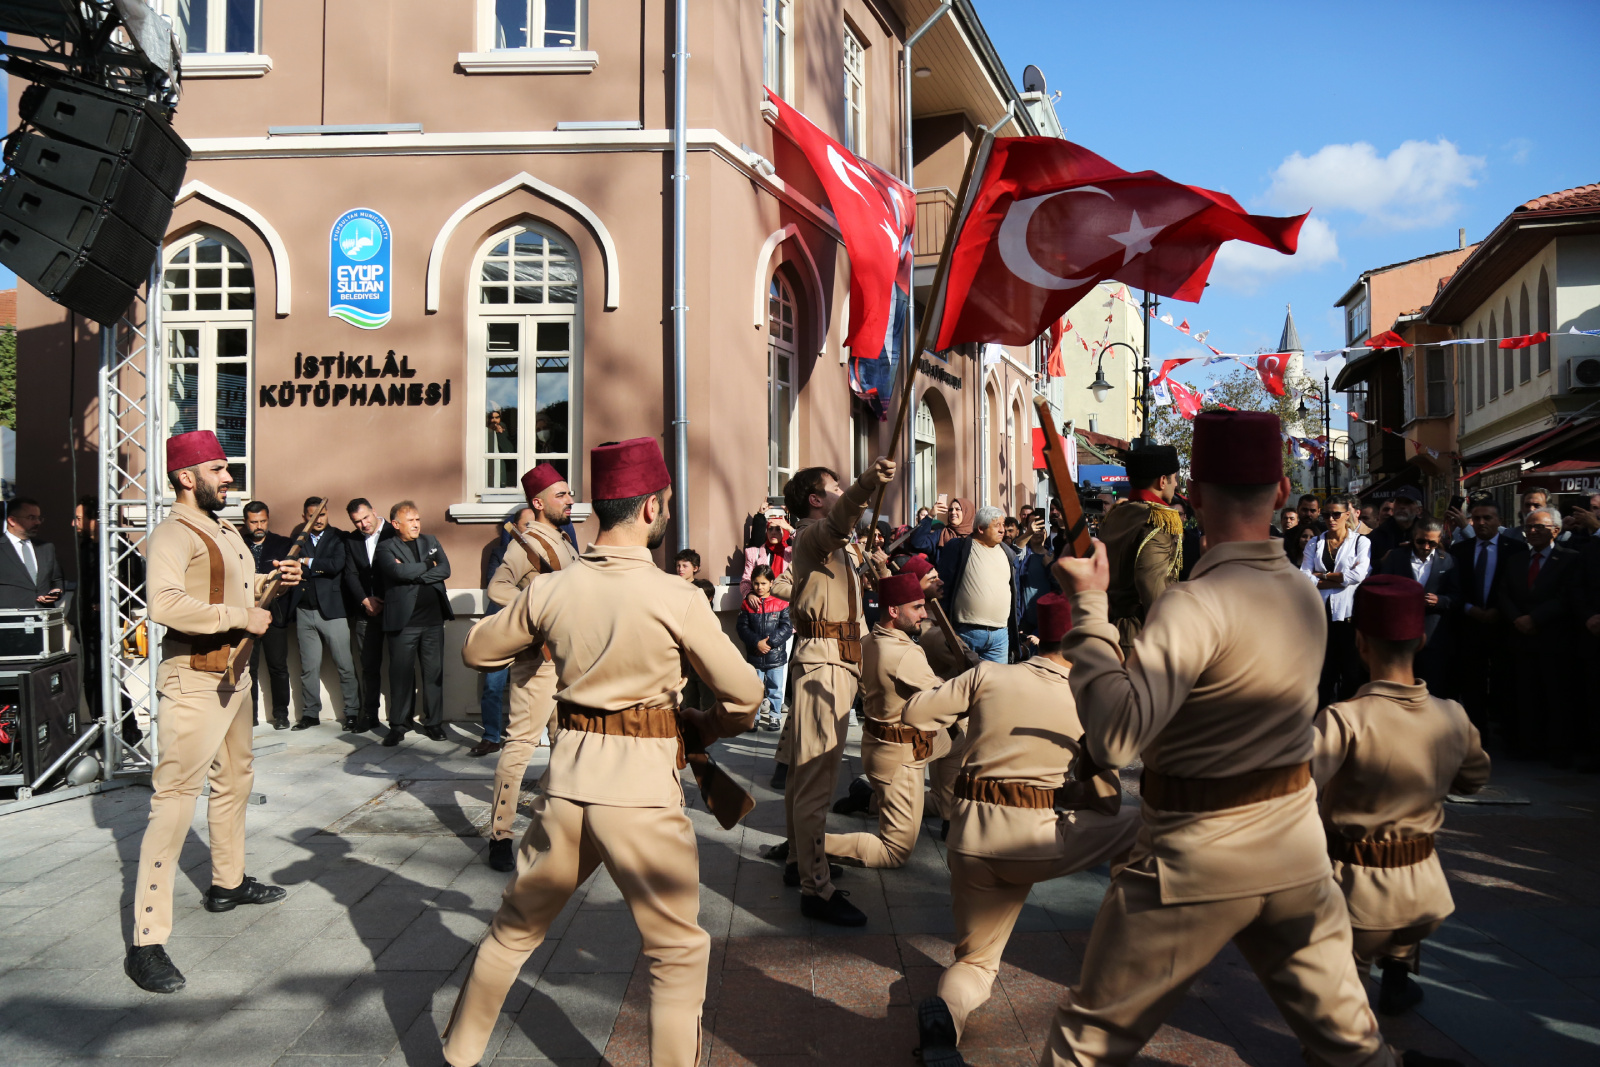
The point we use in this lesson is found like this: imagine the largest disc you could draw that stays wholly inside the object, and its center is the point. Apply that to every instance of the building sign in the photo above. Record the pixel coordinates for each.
(1102, 475)
(353, 381)
(358, 269)
(938, 374)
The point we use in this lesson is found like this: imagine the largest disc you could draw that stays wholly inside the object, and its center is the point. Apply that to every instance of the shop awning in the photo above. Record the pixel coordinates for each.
(1516, 453)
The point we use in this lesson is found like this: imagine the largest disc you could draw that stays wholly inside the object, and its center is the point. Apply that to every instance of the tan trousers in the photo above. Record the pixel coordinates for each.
(946, 769)
(531, 700)
(987, 894)
(820, 714)
(900, 798)
(650, 853)
(203, 735)
(785, 753)
(1143, 954)
(1404, 944)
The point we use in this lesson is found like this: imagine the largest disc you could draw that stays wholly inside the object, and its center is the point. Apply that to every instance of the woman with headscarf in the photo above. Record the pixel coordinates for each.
(947, 523)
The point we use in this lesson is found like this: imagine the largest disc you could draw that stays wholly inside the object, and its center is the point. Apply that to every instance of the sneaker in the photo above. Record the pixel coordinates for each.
(1398, 993)
(936, 1034)
(771, 724)
(248, 891)
(280, 724)
(791, 873)
(858, 799)
(780, 776)
(152, 969)
(503, 854)
(836, 909)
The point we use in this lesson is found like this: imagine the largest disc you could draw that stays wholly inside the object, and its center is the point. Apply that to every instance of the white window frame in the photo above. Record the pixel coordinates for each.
(208, 323)
(490, 58)
(855, 92)
(925, 458)
(778, 474)
(527, 316)
(777, 46)
(1357, 321)
(212, 60)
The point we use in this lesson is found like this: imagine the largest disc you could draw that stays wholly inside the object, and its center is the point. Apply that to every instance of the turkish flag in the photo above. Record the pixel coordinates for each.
(1387, 339)
(1051, 219)
(1186, 400)
(1271, 368)
(1056, 366)
(1526, 341)
(876, 212)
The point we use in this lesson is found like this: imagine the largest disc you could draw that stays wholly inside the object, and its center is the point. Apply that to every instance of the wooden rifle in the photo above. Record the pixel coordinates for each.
(957, 646)
(269, 592)
(1055, 463)
(527, 546)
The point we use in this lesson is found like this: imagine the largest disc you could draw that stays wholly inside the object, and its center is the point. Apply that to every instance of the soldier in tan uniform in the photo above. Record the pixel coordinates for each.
(1023, 740)
(1232, 846)
(1144, 539)
(202, 586)
(617, 628)
(1385, 759)
(893, 755)
(824, 592)
(532, 683)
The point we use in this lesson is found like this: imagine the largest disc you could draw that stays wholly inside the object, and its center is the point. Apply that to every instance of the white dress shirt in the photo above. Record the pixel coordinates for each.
(1422, 569)
(371, 541)
(24, 550)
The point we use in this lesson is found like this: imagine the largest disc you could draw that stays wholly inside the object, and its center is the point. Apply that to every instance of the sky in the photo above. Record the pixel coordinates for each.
(1395, 123)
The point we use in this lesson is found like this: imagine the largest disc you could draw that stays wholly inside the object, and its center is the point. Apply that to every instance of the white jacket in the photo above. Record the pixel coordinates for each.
(1353, 559)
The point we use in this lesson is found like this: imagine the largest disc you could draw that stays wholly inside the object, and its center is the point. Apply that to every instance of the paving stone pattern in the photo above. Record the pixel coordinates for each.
(388, 893)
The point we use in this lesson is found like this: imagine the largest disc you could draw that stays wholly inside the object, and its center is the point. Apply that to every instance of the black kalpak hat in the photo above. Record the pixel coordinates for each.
(1151, 461)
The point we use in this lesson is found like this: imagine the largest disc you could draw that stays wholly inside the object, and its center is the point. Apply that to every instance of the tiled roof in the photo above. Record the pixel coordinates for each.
(1578, 197)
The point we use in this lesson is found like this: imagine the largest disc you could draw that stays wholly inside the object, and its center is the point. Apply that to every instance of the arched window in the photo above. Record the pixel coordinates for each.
(782, 350)
(1492, 347)
(525, 337)
(986, 450)
(1510, 331)
(1544, 319)
(208, 300)
(925, 472)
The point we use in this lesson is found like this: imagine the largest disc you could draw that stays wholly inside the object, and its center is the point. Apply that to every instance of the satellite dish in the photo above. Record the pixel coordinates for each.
(1032, 79)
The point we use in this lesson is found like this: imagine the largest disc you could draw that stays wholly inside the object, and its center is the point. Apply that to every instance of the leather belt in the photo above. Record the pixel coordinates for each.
(848, 634)
(1169, 793)
(898, 733)
(1397, 852)
(1006, 794)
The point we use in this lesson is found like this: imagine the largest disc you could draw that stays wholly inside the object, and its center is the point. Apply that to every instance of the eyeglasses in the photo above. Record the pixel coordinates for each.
(1538, 526)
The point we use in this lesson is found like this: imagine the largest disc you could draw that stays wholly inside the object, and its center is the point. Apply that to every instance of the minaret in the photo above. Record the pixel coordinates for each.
(1290, 343)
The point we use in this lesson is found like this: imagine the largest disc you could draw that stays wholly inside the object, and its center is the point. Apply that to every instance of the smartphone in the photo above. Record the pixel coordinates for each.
(944, 499)
(1457, 501)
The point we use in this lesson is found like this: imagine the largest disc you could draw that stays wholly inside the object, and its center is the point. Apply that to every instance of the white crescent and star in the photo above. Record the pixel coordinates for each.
(1013, 241)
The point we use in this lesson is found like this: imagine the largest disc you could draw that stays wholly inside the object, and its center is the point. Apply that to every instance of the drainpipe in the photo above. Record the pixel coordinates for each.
(910, 448)
(680, 306)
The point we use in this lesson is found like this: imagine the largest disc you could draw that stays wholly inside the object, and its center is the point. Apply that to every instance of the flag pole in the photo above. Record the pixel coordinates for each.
(976, 160)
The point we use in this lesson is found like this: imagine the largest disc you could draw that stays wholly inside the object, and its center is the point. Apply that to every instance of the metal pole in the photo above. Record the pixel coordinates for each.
(680, 305)
(110, 615)
(1327, 440)
(1144, 391)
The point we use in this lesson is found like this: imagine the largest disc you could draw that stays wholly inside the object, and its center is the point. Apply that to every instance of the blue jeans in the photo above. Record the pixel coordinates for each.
(772, 681)
(992, 645)
(492, 705)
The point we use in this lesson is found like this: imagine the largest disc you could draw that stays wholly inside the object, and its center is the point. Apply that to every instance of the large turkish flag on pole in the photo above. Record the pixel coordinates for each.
(1051, 219)
(876, 212)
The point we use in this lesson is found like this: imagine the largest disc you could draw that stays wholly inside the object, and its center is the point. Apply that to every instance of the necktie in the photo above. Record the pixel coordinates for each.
(1533, 568)
(1480, 574)
(29, 561)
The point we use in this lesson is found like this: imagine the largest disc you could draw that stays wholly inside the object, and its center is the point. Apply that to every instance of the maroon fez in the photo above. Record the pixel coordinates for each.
(625, 469)
(194, 447)
(916, 566)
(539, 479)
(1055, 618)
(898, 589)
(1236, 448)
(1390, 608)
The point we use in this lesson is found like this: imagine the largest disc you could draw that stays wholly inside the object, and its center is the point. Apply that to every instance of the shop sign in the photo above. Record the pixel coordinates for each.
(1578, 483)
(353, 381)
(1506, 476)
(358, 269)
(937, 373)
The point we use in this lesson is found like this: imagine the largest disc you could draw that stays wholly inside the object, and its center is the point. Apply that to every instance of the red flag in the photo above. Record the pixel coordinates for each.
(1387, 339)
(1055, 366)
(1051, 219)
(1271, 368)
(1186, 400)
(875, 212)
(1526, 341)
(1168, 364)
(1184, 326)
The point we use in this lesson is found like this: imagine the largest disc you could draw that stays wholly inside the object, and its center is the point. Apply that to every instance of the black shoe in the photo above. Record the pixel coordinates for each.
(394, 736)
(778, 853)
(365, 724)
(791, 873)
(152, 969)
(434, 733)
(248, 891)
(1398, 993)
(306, 724)
(280, 724)
(858, 799)
(836, 910)
(936, 1035)
(1413, 1058)
(349, 726)
(780, 776)
(503, 855)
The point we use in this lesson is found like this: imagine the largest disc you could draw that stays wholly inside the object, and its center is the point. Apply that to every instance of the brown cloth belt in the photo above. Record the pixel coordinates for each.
(212, 653)
(1400, 852)
(899, 733)
(1006, 794)
(848, 634)
(1168, 793)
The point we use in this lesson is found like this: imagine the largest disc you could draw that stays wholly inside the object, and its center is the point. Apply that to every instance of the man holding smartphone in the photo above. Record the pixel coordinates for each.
(30, 574)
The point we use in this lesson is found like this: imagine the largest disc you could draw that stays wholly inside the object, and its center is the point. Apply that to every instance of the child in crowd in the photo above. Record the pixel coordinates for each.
(687, 564)
(764, 627)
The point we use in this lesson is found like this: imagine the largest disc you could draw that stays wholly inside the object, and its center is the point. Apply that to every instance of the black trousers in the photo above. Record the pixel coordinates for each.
(1342, 673)
(275, 645)
(1484, 666)
(369, 660)
(1548, 725)
(406, 648)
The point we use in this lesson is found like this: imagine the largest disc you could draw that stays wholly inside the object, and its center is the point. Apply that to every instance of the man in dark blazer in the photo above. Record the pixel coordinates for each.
(267, 548)
(317, 607)
(1542, 601)
(363, 604)
(30, 574)
(1484, 658)
(415, 606)
(1423, 560)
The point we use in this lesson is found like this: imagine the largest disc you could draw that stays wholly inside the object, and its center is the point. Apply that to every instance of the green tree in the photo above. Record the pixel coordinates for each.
(1241, 389)
(8, 376)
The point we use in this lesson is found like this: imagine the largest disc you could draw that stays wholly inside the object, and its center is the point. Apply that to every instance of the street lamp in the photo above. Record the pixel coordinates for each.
(1101, 386)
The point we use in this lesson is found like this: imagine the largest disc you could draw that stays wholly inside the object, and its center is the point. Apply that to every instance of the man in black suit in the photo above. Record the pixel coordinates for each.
(1395, 531)
(363, 604)
(1484, 658)
(1541, 599)
(1424, 561)
(267, 548)
(317, 605)
(30, 574)
(415, 606)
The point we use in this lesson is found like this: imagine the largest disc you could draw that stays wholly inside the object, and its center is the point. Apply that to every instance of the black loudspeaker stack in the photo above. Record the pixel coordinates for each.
(39, 714)
(87, 194)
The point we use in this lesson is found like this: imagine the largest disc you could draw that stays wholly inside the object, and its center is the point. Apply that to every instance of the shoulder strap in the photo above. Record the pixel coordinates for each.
(552, 554)
(213, 558)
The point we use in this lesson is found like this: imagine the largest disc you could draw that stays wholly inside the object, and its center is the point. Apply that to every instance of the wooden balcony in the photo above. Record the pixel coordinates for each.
(934, 208)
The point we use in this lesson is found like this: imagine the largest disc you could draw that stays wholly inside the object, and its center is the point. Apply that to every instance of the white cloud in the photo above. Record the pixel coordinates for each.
(1412, 186)
(1244, 267)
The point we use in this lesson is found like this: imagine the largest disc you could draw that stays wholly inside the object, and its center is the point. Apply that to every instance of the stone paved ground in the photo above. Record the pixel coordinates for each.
(359, 966)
